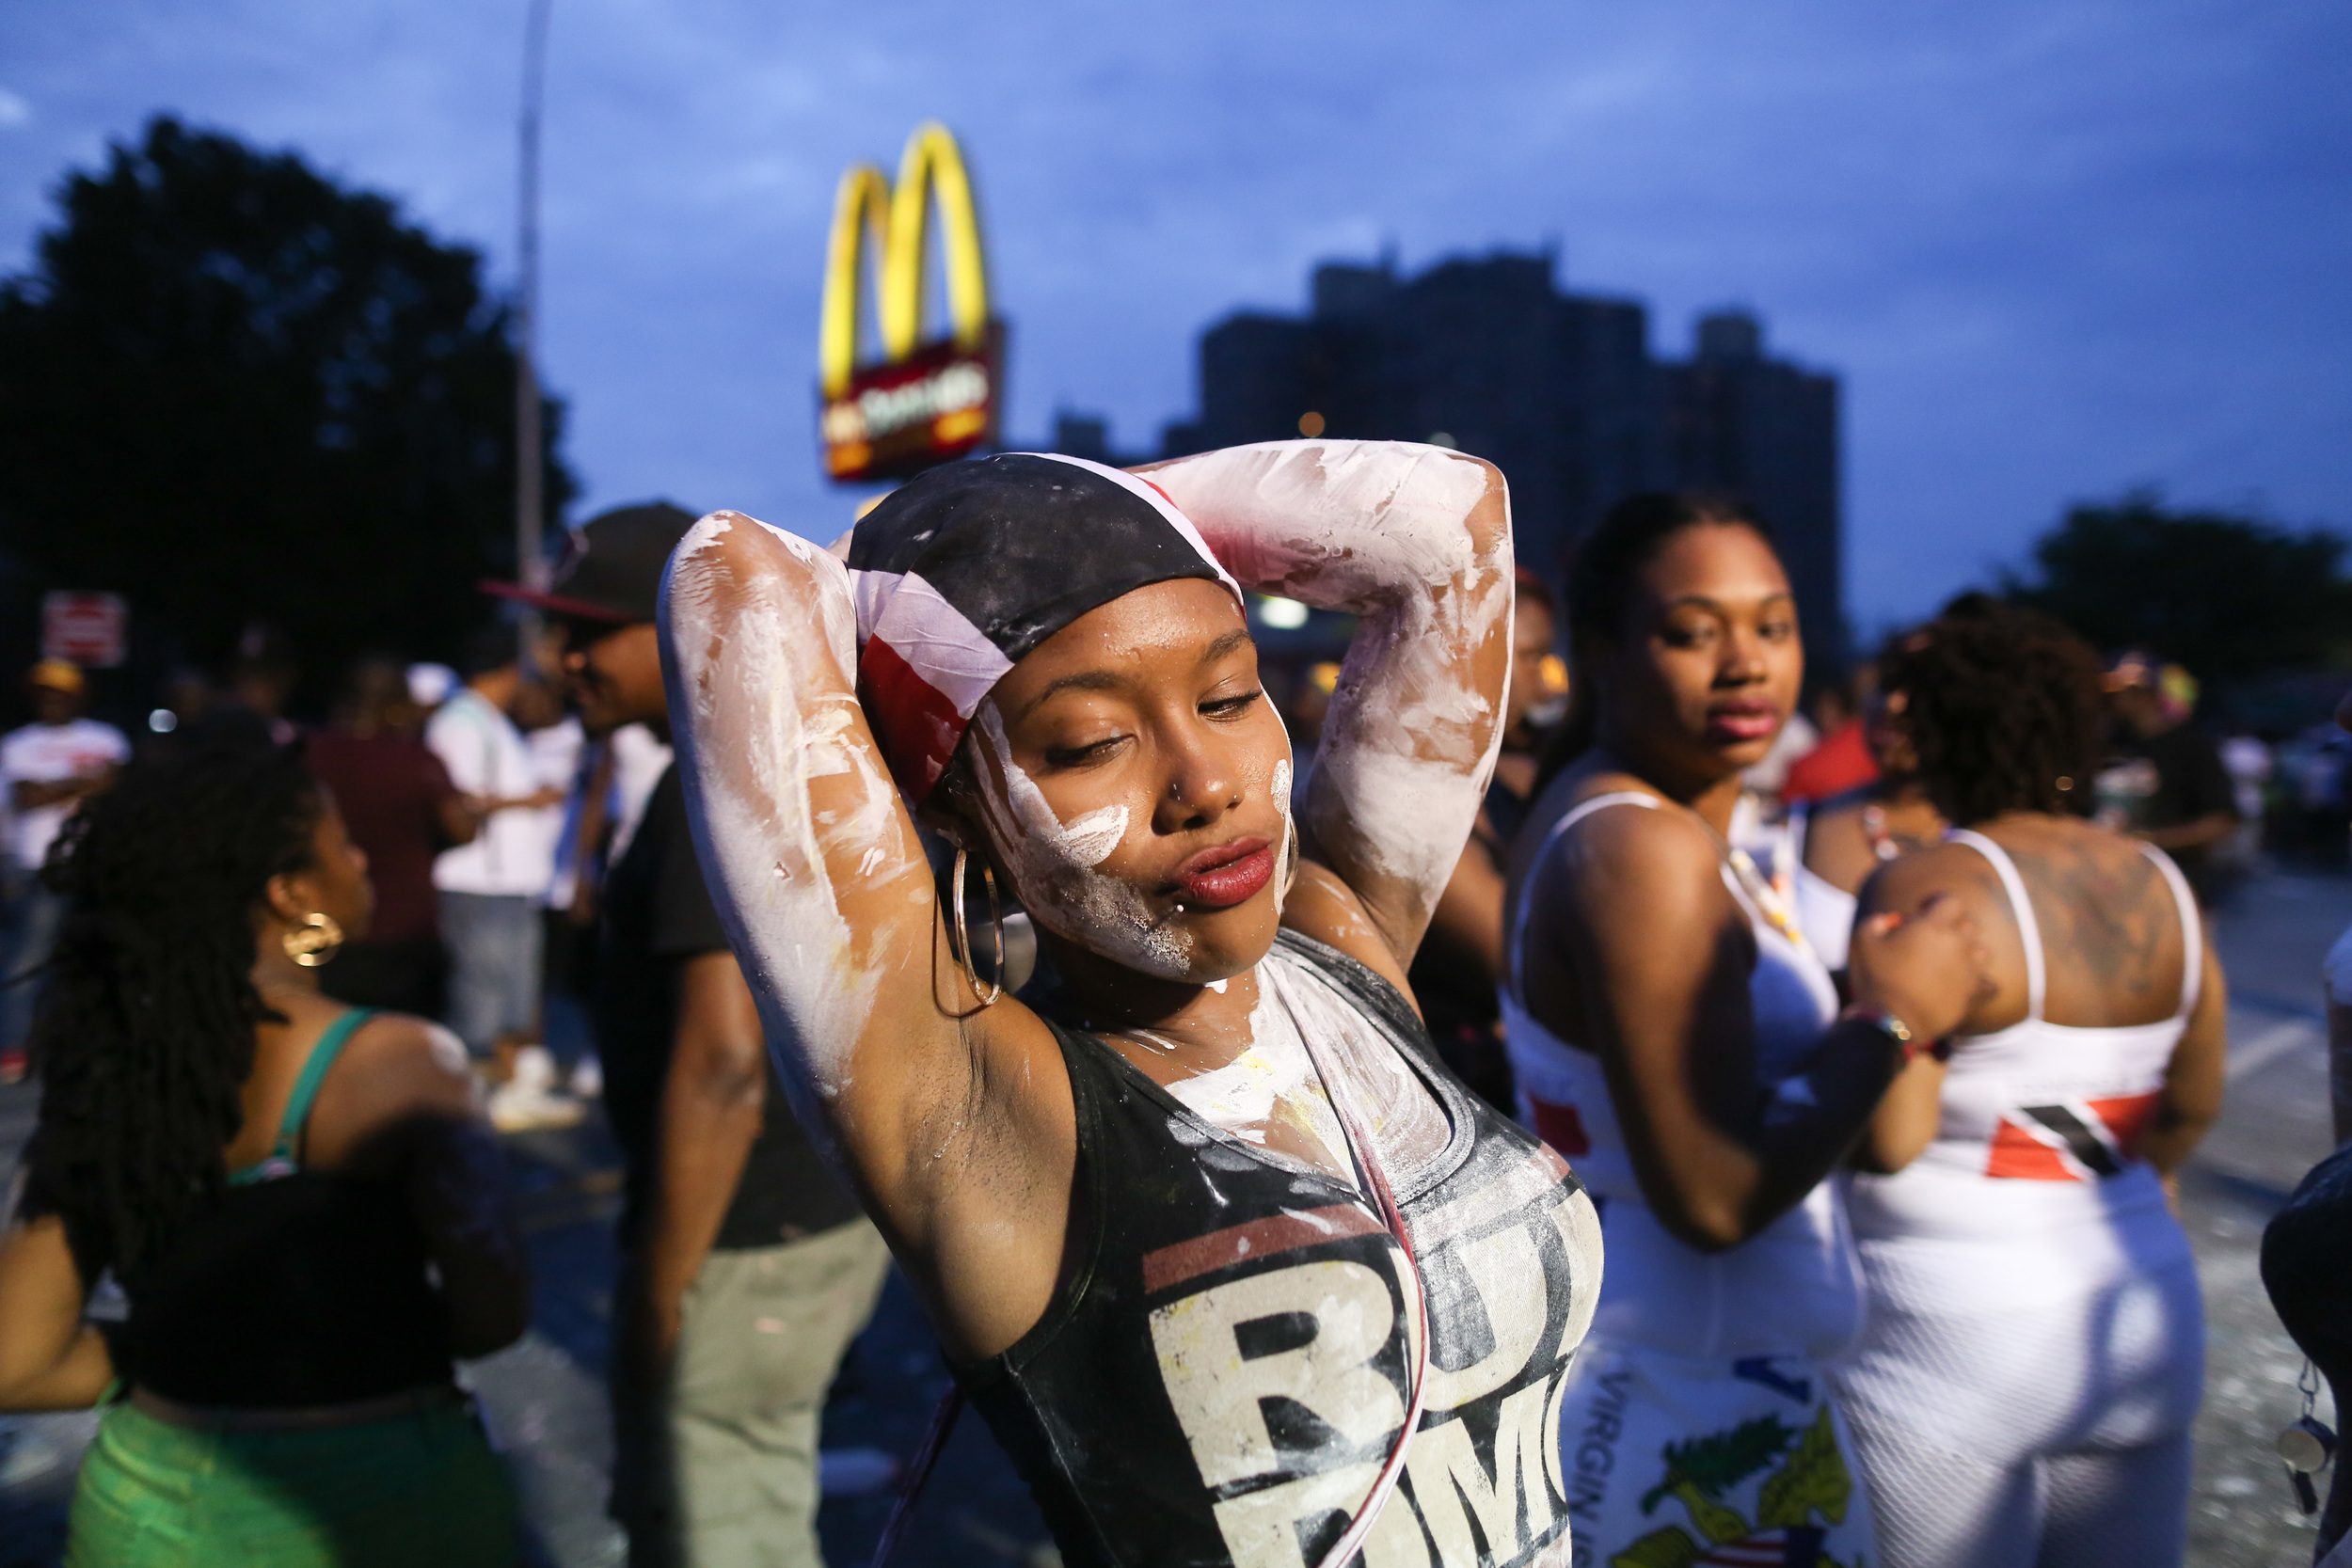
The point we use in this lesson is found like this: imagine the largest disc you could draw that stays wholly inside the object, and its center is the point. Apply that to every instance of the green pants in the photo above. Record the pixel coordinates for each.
(422, 1488)
(724, 1474)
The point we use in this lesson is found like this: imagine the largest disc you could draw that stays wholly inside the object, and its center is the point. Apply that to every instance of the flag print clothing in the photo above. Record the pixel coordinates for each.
(1698, 1425)
(1679, 1462)
(1225, 1375)
(2034, 1355)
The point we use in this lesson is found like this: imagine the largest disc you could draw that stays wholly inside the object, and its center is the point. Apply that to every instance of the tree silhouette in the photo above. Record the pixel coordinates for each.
(232, 388)
(2224, 595)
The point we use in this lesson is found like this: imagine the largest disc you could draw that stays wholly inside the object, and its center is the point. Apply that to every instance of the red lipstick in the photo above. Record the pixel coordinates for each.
(1228, 874)
(1743, 718)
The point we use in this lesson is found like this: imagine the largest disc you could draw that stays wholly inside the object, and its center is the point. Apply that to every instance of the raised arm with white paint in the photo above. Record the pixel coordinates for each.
(1415, 542)
(828, 900)
(1216, 1107)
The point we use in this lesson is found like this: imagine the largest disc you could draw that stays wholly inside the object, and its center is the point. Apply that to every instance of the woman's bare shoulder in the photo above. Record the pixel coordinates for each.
(1621, 835)
(395, 1070)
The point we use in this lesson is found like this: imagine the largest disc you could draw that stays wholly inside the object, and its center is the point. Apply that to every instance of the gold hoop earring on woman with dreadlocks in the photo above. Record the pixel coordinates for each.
(318, 939)
(959, 935)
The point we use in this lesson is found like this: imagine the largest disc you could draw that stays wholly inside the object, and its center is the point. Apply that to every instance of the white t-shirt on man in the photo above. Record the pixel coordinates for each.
(49, 753)
(487, 755)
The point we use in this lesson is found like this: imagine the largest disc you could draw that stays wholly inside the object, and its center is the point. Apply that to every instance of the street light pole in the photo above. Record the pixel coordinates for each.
(529, 461)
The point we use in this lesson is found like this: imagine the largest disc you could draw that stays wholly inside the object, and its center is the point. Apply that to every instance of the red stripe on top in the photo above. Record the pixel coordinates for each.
(2017, 1155)
(920, 725)
(2128, 1117)
(1218, 1249)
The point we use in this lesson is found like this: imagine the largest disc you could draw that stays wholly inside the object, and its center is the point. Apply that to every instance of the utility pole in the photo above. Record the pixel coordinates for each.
(530, 460)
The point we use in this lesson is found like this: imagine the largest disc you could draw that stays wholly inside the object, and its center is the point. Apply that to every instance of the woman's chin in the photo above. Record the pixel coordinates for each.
(1227, 942)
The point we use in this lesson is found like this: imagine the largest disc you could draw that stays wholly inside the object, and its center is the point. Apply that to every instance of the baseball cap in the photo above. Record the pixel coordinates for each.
(612, 571)
(57, 674)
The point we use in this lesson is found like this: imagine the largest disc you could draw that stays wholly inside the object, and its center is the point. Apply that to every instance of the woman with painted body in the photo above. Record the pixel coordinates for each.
(1237, 1272)
(2034, 1355)
(1673, 1034)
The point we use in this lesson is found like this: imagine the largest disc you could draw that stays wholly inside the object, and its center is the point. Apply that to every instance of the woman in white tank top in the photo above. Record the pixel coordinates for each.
(2023, 1390)
(1676, 1038)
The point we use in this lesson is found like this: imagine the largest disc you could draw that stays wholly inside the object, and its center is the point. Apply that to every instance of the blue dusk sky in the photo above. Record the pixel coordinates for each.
(2055, 247)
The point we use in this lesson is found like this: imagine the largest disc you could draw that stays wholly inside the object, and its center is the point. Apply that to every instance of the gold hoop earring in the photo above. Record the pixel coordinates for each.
(959, 935)
(317, 940)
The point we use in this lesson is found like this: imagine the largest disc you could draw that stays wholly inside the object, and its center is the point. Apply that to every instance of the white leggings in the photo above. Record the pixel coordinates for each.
(2092, 1508)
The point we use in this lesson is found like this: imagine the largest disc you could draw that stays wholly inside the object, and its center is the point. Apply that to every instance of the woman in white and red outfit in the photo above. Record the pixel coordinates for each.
(2024, 1391)
(1676, 1037)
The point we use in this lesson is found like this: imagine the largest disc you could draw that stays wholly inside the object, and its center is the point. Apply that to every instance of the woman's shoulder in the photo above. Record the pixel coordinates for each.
(1605, 821)
(396, 1066)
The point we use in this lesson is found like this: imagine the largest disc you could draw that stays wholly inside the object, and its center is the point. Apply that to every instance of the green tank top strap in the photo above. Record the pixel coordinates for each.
(281, 1160)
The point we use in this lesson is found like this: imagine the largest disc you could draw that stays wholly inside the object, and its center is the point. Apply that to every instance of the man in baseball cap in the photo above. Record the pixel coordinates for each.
(727, 1201)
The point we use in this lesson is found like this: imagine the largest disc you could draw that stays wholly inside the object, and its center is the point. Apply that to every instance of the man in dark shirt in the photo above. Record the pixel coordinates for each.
(401, 809)
(747, 1268)
(2165, 782)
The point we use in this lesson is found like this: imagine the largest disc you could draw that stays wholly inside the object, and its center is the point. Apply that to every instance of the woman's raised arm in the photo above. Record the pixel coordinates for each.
(828, 904)
(1415, 542)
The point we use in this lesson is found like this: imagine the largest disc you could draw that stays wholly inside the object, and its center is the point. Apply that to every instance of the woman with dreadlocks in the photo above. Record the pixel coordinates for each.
(1237, 1273)
(2034, 1353)
(300, 1199)
(1674, 1032)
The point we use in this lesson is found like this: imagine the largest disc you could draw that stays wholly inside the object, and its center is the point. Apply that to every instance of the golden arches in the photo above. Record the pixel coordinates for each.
(867, 208)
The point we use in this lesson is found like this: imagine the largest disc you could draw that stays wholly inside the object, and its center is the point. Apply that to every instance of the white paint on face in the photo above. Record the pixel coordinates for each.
(1089, 839)
(1052, 864)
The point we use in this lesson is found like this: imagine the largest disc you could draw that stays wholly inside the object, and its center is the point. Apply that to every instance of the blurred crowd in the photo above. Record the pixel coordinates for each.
(485, 871)
(487, 816)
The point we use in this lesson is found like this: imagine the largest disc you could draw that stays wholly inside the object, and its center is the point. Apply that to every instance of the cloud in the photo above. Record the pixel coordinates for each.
(2055, 246)
(14, 109)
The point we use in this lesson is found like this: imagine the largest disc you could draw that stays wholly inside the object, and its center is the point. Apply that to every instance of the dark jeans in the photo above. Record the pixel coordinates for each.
(33, 921)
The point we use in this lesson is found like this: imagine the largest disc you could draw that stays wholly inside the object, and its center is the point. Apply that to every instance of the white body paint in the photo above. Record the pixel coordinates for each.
(1274, 1080)
(760, 699)
(1375, 529)
(1053, 863)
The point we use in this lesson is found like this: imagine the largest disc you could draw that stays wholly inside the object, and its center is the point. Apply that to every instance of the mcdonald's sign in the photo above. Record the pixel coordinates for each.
(922, 402)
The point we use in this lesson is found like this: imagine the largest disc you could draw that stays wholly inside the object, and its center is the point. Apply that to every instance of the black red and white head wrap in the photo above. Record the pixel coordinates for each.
(968, 566)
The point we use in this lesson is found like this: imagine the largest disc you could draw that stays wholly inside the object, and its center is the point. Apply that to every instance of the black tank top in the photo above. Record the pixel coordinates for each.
(1224, 1373)
(298, 1288)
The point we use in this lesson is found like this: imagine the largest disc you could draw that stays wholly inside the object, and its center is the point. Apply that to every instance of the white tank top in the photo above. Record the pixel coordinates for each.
(2042, 1122)
(1791, 1289)
(1825, 911)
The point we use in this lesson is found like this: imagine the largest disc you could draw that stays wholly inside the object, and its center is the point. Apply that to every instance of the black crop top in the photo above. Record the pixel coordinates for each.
(298, 1288)
(1225, 1371)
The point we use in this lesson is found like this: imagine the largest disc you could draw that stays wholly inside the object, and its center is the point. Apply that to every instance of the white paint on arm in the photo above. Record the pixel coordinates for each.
(1386, 531)
(801, 832)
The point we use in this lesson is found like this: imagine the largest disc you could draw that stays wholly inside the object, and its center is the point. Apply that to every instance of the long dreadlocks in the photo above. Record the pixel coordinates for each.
(144, 1034)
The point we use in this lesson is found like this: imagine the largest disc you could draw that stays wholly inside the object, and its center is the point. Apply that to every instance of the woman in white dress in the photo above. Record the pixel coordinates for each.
(1674, 1036)
(2024, 1391)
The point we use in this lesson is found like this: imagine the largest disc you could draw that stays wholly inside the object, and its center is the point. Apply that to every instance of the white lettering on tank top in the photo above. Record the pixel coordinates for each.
(1483, 1263)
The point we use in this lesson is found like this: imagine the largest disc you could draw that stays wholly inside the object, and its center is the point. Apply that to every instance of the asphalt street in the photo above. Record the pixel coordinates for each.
(543, 1402)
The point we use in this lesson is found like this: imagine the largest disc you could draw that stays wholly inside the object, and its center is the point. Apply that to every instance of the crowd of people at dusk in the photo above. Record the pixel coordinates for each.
(1581, 1075)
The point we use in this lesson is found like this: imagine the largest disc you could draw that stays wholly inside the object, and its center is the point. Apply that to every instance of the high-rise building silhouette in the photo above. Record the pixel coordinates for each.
(1560, 390)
